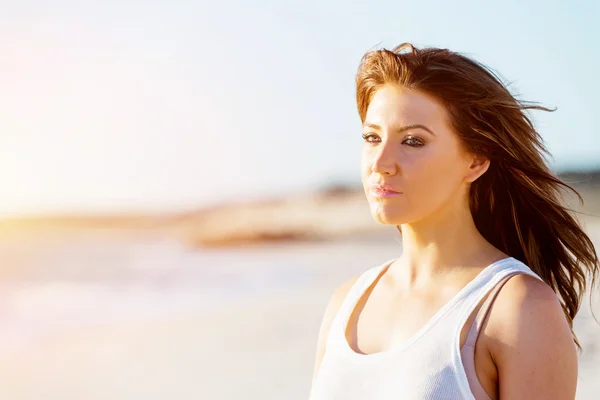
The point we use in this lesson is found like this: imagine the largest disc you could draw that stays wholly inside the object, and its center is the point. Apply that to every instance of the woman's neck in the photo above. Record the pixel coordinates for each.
(441, 244)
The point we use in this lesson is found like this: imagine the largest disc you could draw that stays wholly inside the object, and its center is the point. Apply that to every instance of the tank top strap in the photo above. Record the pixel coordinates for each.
(359, 287)
(493, 279)
(489, 279)
(484, 311)
(468, 349)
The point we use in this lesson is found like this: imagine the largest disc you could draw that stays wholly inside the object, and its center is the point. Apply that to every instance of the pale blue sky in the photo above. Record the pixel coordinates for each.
(138, 105)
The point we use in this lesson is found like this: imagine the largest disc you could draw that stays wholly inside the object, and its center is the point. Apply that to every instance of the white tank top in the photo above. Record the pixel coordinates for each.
(429, 365)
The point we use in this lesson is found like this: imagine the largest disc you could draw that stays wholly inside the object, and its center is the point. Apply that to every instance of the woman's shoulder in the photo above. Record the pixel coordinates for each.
(525, 295)
(525, 307)
(339, 294)
(528, 333)
(334, 304)
(530, 340)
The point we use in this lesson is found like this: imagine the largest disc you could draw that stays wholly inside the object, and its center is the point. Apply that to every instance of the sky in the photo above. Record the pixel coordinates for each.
(151, 106)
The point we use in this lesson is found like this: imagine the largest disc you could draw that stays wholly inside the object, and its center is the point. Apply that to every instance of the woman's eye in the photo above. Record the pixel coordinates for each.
(370, 138)
(413, 142)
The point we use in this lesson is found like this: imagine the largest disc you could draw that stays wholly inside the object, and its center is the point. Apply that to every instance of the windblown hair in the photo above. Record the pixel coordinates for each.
(518, 204)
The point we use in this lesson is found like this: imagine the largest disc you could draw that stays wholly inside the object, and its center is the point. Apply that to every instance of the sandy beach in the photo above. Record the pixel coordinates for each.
(109, 317)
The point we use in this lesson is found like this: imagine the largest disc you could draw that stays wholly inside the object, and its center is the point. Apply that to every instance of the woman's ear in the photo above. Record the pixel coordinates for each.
(477, 167)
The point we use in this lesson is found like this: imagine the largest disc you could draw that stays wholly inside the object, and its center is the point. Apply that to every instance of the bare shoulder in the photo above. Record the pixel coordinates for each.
(340, 293)
(526, 301)
(333, 306)
(531, 342)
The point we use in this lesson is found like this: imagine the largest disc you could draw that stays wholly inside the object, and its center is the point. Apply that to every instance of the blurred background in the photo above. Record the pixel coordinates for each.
(180, 186)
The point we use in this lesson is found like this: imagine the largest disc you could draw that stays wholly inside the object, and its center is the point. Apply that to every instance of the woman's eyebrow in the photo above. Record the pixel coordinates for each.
(401, 129)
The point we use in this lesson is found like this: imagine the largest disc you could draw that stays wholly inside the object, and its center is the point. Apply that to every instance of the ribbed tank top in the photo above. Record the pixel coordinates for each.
(429, 365)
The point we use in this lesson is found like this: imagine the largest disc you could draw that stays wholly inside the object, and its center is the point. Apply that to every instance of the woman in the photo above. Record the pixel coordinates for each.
(481, 302)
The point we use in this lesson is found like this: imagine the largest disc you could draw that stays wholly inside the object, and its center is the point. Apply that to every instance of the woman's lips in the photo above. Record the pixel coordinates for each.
(383, 192)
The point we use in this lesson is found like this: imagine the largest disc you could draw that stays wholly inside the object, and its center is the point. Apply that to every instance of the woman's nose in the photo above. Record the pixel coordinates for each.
(384, 163)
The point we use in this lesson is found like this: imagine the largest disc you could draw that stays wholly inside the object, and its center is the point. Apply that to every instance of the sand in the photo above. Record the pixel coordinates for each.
(145, 319)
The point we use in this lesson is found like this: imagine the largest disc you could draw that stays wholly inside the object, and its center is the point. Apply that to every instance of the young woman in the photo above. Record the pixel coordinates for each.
(481, 302)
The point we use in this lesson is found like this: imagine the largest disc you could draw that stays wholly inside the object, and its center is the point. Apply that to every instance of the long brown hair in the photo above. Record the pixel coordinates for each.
(518, 204)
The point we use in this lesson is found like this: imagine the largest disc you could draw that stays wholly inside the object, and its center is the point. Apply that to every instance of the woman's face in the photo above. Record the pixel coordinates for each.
(413, 153)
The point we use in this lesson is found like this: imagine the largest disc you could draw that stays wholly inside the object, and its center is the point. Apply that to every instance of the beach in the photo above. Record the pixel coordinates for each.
(100, 315)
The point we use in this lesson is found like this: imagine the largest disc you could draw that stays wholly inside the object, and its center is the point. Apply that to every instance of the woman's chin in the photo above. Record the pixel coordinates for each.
(386, 221)
(387, 216)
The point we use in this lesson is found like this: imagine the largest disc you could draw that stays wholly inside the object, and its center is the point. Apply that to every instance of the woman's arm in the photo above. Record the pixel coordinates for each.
(531, 343)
